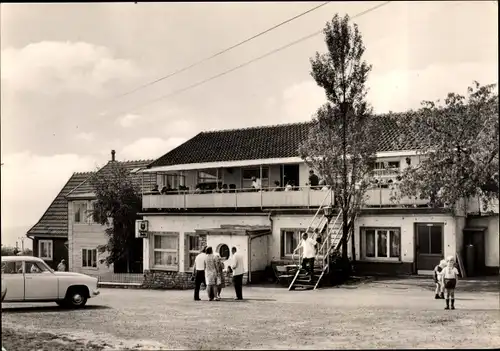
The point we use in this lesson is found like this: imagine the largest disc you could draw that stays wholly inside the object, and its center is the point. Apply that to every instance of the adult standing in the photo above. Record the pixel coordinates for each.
(220, 281)
(308, 246)
(238, 270)
(211, 273)
(199, 273)
(61, 267)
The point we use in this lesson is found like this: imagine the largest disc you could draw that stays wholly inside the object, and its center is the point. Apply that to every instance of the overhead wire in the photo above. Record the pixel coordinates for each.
(244, 64)
(220, 52)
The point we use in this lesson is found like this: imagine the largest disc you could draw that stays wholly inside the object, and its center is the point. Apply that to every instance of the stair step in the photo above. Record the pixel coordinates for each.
(305, 287)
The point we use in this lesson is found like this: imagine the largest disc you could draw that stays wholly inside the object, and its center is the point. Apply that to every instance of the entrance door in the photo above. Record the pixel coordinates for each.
(475, 236)
(429, 245)
(291, 173)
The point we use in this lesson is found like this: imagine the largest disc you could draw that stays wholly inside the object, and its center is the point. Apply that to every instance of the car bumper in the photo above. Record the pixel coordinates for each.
(95, 292)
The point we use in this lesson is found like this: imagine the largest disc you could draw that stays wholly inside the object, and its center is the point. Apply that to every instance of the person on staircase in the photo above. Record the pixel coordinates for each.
(308, 246)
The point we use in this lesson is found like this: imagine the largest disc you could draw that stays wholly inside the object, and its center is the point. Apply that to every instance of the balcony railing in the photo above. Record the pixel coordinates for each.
(270, 198)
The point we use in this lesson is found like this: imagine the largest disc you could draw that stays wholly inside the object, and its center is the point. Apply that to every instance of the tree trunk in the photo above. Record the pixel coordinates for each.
(345, 234)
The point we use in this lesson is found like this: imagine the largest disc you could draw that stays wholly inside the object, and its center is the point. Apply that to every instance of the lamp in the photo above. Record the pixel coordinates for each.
(328, 212)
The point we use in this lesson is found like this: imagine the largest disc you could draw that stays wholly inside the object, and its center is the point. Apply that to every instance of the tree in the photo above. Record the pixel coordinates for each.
(341, 144)
(118, 203)
(460, 147)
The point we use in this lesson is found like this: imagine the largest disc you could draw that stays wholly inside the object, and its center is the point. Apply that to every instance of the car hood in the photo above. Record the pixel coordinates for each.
(71, 274)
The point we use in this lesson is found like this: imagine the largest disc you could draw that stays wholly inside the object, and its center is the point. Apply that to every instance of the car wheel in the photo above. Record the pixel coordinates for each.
(75, 298)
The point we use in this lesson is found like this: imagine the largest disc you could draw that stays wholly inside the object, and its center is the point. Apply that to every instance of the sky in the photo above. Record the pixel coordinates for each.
(64, 66)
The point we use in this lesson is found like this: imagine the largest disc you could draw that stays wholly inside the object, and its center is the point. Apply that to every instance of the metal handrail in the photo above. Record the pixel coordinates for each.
(329, 192)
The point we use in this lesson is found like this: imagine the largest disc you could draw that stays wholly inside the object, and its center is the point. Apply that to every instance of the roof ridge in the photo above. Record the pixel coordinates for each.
(257, 127)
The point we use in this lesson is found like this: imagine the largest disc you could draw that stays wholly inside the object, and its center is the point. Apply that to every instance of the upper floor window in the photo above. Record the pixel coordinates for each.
(80, 211)
(248, 173)
(393, 164)
(172, 181)
(208, 176)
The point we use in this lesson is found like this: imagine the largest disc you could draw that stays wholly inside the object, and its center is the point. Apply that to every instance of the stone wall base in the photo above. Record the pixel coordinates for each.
(155, 279)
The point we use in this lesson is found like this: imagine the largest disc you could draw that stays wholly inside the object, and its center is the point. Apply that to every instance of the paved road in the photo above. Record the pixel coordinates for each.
(377, 314)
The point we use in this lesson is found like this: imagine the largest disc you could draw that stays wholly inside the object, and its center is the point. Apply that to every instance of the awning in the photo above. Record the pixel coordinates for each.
(224, 164)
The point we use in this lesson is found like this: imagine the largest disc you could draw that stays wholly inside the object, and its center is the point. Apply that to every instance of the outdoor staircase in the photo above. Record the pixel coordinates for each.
(331, 234)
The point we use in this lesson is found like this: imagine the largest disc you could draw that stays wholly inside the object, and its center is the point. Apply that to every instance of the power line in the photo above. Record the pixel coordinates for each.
(220, 52)
(245, 63)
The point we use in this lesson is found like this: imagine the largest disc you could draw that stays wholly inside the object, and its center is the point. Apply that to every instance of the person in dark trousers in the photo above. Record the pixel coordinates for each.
(238, 270)
(313, 180)
(199, 273)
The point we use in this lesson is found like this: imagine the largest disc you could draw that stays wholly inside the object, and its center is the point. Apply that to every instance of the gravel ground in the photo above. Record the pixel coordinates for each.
(388, 314)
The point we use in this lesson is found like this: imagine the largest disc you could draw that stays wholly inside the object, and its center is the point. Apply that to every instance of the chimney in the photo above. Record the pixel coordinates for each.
(113, 152)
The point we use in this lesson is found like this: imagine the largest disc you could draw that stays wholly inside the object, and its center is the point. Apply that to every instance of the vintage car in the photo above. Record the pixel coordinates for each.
(29, 279)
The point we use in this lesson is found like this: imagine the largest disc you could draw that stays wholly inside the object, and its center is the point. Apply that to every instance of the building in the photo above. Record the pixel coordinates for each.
(85, 237)
(403, 237)
(50, 233)
(67, 231)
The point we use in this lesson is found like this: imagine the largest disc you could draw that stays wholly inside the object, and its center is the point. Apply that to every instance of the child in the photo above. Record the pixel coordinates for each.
(439, 294)
(449, 277)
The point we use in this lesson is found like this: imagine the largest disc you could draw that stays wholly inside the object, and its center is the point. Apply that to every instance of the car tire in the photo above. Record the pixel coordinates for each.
(75, 298)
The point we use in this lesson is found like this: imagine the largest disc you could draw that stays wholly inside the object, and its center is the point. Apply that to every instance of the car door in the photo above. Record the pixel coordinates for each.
(12, 275)
(39, 282)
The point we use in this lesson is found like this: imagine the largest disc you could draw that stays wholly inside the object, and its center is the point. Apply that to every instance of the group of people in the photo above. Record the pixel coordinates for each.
(446, 277)
(209, 269)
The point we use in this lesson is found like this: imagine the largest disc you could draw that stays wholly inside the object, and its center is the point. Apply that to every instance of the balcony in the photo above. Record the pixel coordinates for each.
(300, 197)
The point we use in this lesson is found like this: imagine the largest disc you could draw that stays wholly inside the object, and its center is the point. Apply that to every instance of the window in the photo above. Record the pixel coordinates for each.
(12, 267)
(89, 258)
(393, 164)
(379, 165)
(208, 176)
(90, 210)
(45, 249)
(35, 267)
(290, 239)
(430, 239)
(165, 251)
(193, 248)
(224, 251)
(80, 211)
(248, 173)
(174, 181)
(381, 243)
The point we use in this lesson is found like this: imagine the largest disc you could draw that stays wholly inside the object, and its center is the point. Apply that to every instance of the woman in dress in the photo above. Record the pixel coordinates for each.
(211, 265)
(220, 282)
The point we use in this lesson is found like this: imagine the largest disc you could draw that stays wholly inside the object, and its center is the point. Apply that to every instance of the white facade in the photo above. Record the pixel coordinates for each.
(285, 233)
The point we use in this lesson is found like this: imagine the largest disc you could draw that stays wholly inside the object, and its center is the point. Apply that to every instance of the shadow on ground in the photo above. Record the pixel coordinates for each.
(38, 309)
(475, 284)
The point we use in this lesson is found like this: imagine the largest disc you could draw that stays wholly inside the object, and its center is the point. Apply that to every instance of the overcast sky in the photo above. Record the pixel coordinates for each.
(62, 65)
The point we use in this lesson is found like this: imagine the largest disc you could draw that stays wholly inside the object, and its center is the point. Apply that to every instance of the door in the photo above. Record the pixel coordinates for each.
(291, 174)
(429, 245)
(476, 238)
(12, 275)
(39, 282)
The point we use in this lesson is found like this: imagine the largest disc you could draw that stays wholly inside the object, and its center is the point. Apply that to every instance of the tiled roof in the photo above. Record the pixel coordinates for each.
(146, 181)
(54, 221)
(278, 141)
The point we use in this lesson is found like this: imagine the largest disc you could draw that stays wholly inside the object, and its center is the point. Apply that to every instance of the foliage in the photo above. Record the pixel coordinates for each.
(13, 251)
(118, 203)
(460, 153)
(341, 144)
